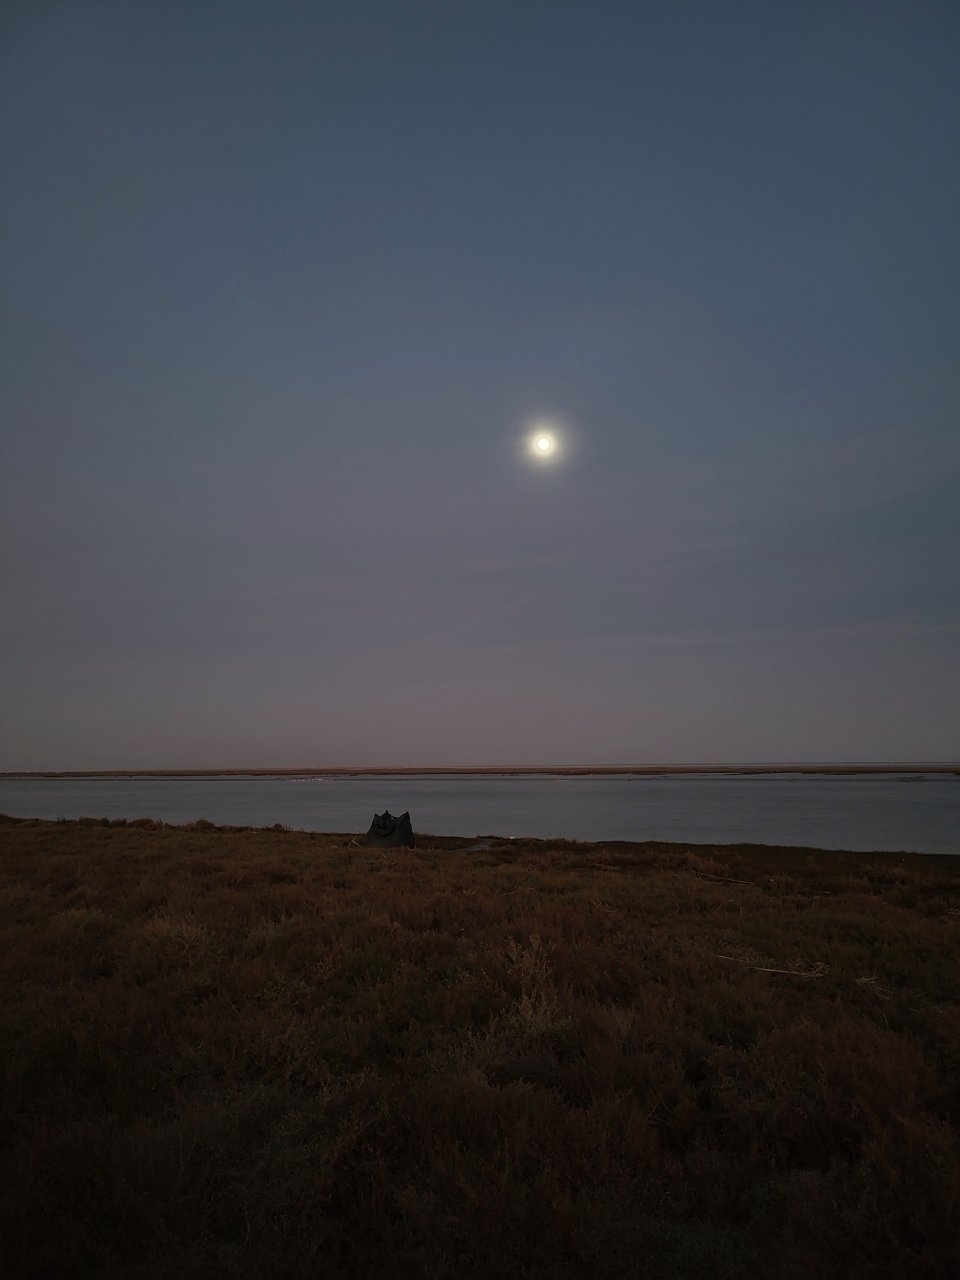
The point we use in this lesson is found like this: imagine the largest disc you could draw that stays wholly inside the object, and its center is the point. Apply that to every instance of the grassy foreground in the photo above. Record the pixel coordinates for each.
(238, 1052)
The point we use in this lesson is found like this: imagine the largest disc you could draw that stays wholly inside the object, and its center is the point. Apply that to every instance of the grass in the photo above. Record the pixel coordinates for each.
(238, 1052)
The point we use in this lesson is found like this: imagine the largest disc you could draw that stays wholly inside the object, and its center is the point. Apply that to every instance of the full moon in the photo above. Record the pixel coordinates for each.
(545, 442)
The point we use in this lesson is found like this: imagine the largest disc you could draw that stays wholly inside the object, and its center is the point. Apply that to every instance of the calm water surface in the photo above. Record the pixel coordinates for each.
(919, 812)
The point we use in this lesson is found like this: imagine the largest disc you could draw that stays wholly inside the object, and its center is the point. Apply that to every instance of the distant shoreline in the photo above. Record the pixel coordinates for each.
(502, 771)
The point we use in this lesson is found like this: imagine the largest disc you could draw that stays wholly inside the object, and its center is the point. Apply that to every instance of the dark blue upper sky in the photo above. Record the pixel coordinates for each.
(284, 286)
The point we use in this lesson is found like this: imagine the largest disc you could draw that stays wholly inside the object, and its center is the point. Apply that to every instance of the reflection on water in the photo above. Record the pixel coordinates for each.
(845, 812)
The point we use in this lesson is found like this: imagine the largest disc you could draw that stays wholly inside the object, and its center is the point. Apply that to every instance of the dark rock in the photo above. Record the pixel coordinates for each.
(385, 829)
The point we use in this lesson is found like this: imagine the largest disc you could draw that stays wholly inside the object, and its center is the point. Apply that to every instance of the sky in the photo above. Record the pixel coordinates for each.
(285, 286)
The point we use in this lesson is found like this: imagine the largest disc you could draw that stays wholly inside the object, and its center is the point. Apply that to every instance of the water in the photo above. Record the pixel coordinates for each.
(918, 812)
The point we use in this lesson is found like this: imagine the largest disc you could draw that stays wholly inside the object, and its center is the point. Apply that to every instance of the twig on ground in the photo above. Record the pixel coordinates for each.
(882, 992)
(708, 875)
(818, 970)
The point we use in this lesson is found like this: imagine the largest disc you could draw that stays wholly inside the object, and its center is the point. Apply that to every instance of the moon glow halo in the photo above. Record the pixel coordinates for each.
(543, 443)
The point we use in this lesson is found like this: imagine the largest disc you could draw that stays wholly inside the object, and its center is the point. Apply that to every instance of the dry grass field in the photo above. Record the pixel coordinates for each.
(236, 1052)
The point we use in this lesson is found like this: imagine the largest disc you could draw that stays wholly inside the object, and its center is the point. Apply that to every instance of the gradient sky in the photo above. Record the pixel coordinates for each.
(283, 284)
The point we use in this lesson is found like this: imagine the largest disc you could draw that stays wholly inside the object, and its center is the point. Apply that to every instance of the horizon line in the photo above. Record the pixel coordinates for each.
(374, 769)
